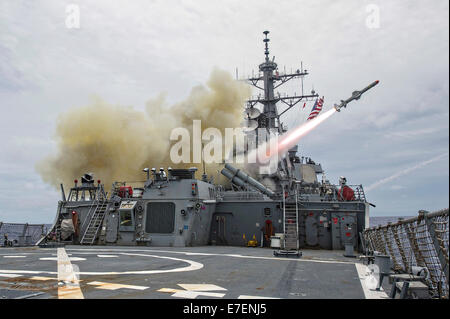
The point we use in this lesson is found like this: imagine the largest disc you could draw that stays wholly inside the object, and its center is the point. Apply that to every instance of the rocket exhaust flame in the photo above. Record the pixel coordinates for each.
(278, 147)
(293, 137)
(289, 140)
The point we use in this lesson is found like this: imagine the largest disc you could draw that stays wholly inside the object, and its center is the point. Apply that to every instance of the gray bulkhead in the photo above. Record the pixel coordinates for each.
(233, 220)
(171, 213)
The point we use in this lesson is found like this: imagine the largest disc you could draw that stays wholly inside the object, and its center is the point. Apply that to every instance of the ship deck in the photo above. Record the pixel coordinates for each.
(173, 272)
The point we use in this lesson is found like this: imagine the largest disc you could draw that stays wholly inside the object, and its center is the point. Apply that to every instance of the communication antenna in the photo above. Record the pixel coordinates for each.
(301, 70)
(266, 42)
(267, 82)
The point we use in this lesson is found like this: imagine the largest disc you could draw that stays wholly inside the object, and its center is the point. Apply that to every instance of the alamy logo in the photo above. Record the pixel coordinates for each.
(373, 19)
(72, 16)
(234, 146)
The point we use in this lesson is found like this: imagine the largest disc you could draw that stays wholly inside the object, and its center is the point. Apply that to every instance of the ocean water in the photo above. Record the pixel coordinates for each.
(383, 220)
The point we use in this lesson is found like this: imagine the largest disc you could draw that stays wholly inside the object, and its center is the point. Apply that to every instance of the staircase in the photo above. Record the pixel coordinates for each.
(90, 235)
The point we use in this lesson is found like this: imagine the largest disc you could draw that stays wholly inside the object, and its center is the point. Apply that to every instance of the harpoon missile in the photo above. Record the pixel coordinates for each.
(355, 96)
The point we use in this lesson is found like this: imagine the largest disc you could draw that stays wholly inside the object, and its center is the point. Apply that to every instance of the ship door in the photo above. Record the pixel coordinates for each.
(324, 231)
(343, 229)
(219, 229)
(112, 225)
(312, 236)
(348, 229)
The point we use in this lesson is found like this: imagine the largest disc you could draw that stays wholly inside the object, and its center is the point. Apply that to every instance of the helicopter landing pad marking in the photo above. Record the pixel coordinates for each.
(194, 294)
(56, 258)
(303, 259)
(192, 291)
(201, 287)
(112, 286)
(10, 275)
(39, 278)
(70, 286)
(192, 265)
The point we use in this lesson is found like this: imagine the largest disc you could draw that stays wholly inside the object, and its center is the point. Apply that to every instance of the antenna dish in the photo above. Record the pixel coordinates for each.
(253, 113)
(250, 125)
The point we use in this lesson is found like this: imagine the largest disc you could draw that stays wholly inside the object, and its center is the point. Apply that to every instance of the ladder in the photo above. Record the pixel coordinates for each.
(290, 227)
(90, 235)
(359, 193)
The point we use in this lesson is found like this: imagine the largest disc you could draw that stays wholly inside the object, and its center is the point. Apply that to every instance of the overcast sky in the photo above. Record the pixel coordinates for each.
(395, 140)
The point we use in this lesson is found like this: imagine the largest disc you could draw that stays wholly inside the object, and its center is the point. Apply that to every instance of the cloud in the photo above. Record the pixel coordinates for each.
(130, 52)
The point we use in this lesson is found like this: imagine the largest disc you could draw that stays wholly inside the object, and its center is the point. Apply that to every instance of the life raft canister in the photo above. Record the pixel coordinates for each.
(346, 194)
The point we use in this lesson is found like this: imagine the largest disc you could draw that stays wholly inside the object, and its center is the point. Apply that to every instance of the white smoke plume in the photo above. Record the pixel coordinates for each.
(404, 172)
(116, 142)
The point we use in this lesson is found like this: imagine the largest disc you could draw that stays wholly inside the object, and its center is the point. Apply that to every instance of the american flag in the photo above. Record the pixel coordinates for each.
(316, 109)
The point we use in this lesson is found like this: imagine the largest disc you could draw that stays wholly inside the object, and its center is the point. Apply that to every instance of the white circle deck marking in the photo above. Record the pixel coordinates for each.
(303, 259)
(193, 265)
(10, 275)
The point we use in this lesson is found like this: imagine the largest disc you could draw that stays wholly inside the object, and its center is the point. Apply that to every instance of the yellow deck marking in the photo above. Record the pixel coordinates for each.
(42, 278)
(168, 290)
(70, 287)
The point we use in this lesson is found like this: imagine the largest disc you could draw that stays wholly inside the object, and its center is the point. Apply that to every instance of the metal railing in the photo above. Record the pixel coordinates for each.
(420, 241)
(18, 234)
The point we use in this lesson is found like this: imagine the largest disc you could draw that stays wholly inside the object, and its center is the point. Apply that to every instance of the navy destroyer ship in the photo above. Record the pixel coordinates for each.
(292, 208)
(180, 235)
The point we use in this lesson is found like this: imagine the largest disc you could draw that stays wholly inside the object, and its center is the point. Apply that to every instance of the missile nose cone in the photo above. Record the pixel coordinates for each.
(376, 82)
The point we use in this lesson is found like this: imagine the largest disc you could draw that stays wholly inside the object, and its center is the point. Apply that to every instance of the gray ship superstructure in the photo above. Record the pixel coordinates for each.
(295, 206)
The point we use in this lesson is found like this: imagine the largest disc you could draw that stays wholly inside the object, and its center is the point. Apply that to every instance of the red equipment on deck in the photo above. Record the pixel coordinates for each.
(125, 191)
(346, 194)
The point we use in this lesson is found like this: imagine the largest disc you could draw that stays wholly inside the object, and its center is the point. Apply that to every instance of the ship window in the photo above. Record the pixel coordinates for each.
(267, 211)
(160, 218)
(126, 218)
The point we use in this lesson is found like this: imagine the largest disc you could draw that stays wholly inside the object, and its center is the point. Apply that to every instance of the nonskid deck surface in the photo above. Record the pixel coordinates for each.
(175, 272)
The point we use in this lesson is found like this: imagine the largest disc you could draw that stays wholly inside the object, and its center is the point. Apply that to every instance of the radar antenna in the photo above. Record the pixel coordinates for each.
(271, 79)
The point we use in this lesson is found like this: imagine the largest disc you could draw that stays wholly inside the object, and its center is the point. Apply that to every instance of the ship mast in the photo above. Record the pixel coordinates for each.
(271, 79)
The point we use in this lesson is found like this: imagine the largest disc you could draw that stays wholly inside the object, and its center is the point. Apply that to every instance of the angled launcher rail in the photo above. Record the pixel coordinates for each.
(421, 241)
